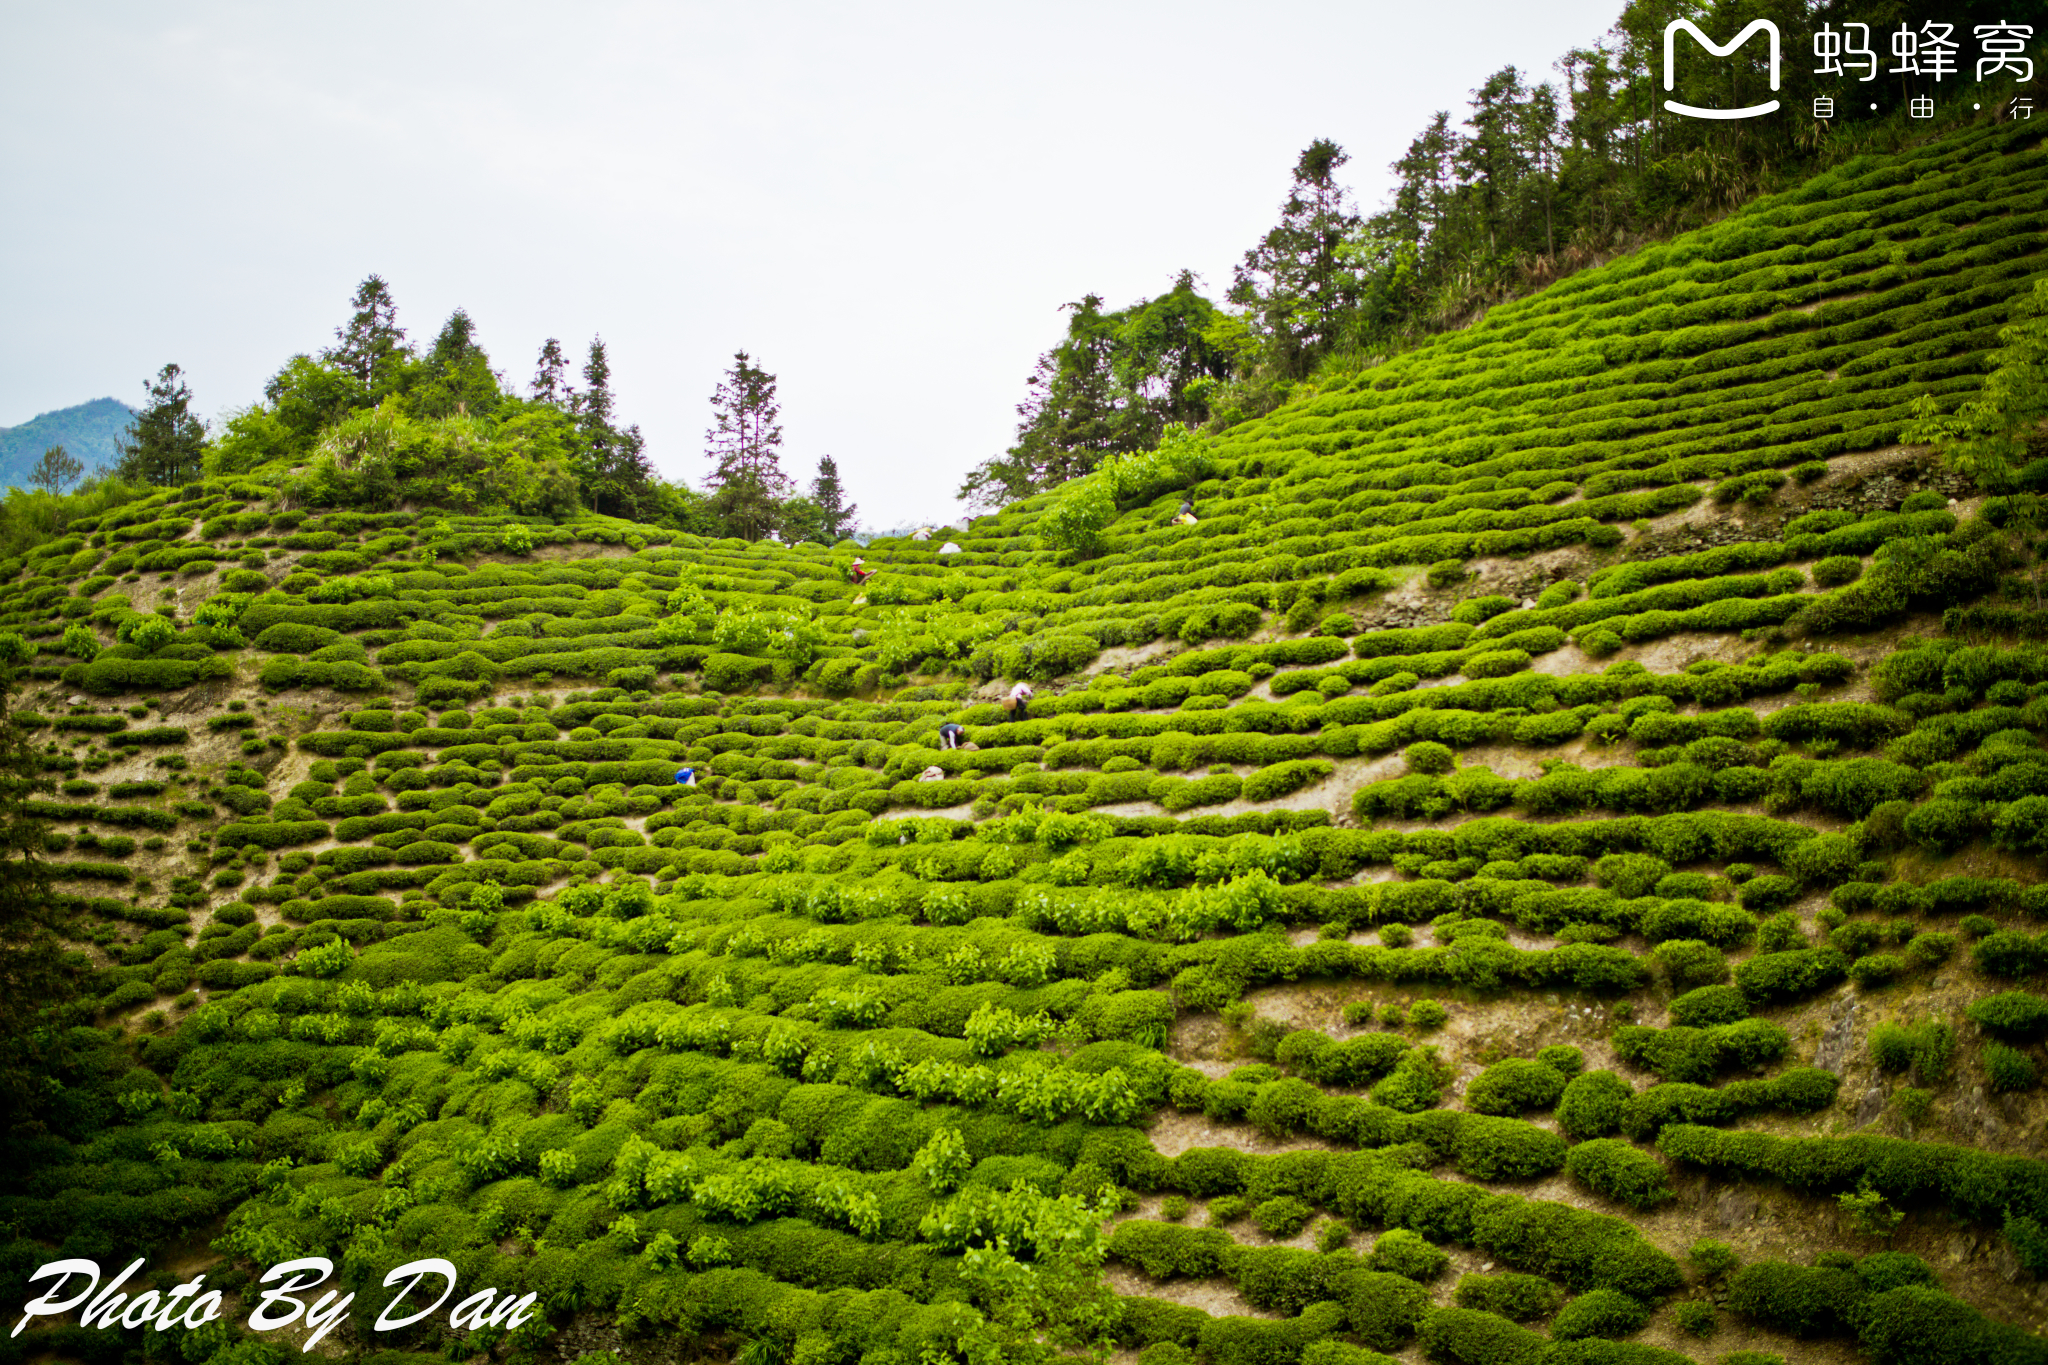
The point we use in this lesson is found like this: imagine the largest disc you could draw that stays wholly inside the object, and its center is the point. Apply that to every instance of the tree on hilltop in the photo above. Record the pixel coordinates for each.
(744, 445)
(372, 345)
(1295, 283)
(612, 468)
(167, 442)
(455, 377)
(1113, 385)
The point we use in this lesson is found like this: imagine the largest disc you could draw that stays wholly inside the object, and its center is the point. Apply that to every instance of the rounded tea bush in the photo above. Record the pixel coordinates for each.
(1591, 1105)
(1401, 1252)
(2008, 1068)
(1516, 1297)
(1514, 1086)
(1619, 1170)
(2016, 1016)
(1600, 1313)
(1697, 1317)
(1430, 757)
(1836, 570)
(1282, 1217)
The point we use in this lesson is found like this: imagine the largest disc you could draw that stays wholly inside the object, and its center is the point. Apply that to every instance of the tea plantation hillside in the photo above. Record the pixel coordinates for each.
(1546, 869)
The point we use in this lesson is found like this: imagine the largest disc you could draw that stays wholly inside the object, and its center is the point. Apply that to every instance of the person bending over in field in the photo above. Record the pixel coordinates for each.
(1019, 698)
(858, 573)
(951, 735)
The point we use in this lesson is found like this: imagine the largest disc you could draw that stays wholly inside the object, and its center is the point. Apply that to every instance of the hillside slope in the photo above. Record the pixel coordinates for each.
(87, 431)
(1576, 793)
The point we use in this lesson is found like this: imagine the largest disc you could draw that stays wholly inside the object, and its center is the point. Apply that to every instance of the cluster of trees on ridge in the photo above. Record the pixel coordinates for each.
(374, 422)
(1535, 183)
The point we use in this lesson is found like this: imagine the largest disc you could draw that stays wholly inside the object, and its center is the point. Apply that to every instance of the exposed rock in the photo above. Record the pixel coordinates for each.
(1839, 1036)
(1734, 1207)
(1870, 1106)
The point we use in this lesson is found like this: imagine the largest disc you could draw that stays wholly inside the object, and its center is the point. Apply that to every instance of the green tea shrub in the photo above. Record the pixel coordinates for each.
(1837, 570)
(1416, 1082)
(2010, 953)
(1382, 1309)
(1498, 663)
(1401, 1252)
(1924, 1048)
(1488, 1148)
(1605, 1313)
(1166, 1251)
(1254, 1341)
(1776, 977)
(1514, 1086)
(1467, 1336)
(1925, 1326)
(1705, 1006)
(2016, 1016)
(1618, 1170)
(1591, 1104)
(1338, 1353)
(735, 672)
(1281, 1217)
(2008, 1068)
(1430, 758)
(1689, 962)
(1799, 1300)
(1516, 1297)
(1877, 969)
(1278, 779)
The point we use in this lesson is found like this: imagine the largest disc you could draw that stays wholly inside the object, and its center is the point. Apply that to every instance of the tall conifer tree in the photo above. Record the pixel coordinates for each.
(835, 513)
(744, 445)
(167, 442)
(614, 469)
(1294, 281)
(549, 384)
(372, 346)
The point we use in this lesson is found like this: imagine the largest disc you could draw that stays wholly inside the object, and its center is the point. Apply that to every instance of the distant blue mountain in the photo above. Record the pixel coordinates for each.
(88, 431)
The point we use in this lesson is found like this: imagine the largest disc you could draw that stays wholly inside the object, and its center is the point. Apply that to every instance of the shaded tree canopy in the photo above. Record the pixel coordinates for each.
(1112, 385)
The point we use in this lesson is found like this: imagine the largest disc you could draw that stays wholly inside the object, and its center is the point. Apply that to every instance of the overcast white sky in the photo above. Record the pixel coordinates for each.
(885, 204)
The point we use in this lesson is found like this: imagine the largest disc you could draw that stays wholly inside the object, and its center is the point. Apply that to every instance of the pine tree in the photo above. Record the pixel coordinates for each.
(166, 444)
(548, 385)
(1075, 411)
(372, 346)
(1294, 280)
(593, 406)
(456, 376)
(835, 514)
(613, 469)
(744, 445)
(56, 471)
